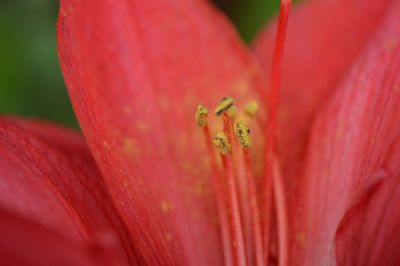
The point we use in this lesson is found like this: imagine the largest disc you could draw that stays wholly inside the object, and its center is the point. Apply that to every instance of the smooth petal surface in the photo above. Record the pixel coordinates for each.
(136, 71)
(368, 233)
(348, 204)
(324, 37)
(49, 177)
(23, 242)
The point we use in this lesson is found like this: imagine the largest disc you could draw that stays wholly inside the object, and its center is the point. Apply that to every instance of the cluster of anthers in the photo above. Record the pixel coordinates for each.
(240, 246)
(249, 245)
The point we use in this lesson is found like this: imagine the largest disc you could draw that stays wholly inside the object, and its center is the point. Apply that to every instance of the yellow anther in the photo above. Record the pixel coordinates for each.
(222, 143)
(201, 115)
(224, 105)
(251, 108)
(243, 133)
(232, 112)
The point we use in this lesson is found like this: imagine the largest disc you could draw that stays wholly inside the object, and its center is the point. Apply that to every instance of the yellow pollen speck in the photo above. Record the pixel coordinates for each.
(168, 236)
(125, 183)
(243, 133)
(185, 165)
(200, 187)
(391, 43)
(164, 103)
(301, 239)
(142, 126)
(224, 105)
(339, 133)
(127, 110)
(165, 206)
(222, 143)
(201, 115)
(397, 88)
(232, 112)
(283, 114)
(130, 148)
(251, 108)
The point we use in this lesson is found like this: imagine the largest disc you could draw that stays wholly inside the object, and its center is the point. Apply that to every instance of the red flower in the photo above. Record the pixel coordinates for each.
(136, 71)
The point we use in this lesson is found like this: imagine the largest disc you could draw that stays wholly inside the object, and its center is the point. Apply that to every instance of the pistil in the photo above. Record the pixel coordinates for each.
(272, 171)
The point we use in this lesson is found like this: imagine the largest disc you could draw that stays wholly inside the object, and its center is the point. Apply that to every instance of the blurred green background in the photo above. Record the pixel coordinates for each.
(31, 84)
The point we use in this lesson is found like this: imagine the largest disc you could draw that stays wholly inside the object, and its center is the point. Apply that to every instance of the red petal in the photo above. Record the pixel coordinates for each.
(136, 71)
(323, 39)
(25, 243)
(49, 177)
(368, 233)
(350, 183)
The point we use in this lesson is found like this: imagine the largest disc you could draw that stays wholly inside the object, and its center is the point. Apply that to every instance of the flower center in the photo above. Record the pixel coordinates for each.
(240, 224)
(253, 246)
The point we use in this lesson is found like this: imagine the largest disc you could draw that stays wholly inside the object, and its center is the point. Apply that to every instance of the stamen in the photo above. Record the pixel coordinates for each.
(232, 112)
(227, 159)
(234, 213)
(251, 109)
(201, 115)
(222, 143)
(219, 192)
(224, 105)
(243, 133)
(231, 219)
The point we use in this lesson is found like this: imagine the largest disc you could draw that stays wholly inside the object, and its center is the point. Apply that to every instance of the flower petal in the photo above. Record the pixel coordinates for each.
(49, 177)
(25, 243)
(323, 39)
(368, 233)
(350, 182)
(136, 71)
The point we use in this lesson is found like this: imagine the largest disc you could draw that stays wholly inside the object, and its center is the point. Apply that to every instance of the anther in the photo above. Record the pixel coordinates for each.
(232, 112)
(201, 115)
(251, 108)
(242, 131)
(201, 119)
(224, 105)
(222, 143)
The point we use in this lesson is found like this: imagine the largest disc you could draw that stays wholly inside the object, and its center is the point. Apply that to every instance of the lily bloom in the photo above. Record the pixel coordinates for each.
(315, 181)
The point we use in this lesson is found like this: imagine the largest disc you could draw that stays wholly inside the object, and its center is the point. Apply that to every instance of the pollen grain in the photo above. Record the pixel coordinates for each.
(225, 104)
(201, 115)
(222, 143)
